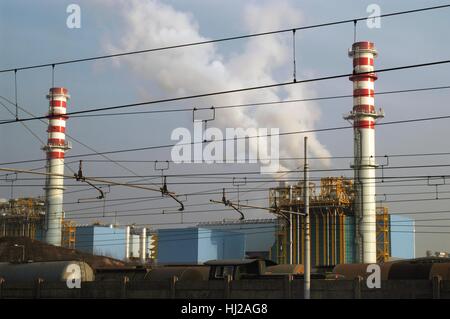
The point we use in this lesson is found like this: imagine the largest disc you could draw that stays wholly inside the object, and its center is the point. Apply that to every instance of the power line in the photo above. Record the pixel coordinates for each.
(383, 180)
(201, 162)
(74, 177)
(246, 89)
(315, 205)
(413, 120)
(194, 237)
(275, 220)
(146, 209)
(116, 215)
(232, 106)
(207, 175)
(70, 137)
(239, 37)
(261, 198)
(217, 191)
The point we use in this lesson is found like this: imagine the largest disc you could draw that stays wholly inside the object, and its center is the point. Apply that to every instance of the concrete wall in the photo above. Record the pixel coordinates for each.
(246, 289)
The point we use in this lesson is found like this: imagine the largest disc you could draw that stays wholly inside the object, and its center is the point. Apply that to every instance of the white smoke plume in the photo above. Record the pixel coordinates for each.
(200, 69)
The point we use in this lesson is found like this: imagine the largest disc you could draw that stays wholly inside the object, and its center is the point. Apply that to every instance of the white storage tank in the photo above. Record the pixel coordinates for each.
(51, 271)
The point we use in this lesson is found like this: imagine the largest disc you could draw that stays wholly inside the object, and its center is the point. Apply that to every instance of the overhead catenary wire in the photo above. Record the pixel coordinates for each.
(239, 37)
(83, 212)
(381, 202)
(239, 224)
(215, 174)
(110, 214)
(328, 129)
(247, 191)
(72, 138)
(147, 199)
(87, 178)
(258, 207)
(381, 181)
(265, 159)
(76, 140)
(183, 233)
(260, 104)
(237, 90)
(180, 237)
(23, 124)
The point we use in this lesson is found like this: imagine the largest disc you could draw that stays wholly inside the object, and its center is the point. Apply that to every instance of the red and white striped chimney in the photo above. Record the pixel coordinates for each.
(55, 149)
(364, 117)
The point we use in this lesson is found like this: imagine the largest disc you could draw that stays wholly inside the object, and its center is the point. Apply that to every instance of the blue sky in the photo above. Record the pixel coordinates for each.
(34, 32)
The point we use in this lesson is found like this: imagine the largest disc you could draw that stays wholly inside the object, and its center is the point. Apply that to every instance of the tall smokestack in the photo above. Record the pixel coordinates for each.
(364, 117)
(55, 149)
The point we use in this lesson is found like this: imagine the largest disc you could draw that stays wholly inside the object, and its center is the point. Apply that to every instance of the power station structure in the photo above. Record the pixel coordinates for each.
(332, 224)
(24, 217)
(364, 117)
(137, 245)
(55, 149)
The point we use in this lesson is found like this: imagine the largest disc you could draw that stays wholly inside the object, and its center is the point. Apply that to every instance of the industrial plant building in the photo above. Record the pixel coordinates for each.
(260, 234)
(119, 242)
(333, 225)
(331, 217)
(269, 239)
(22, 217)
(196, 245)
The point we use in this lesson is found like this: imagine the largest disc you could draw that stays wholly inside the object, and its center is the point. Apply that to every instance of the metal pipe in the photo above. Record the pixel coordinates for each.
(291, 230)
(127, 242)
(291, 250)
(299, 242)
(143, 245)
(307, 287)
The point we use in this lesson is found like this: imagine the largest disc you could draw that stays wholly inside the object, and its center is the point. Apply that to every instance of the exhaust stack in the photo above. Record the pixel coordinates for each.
(55, 149)
(363, 116)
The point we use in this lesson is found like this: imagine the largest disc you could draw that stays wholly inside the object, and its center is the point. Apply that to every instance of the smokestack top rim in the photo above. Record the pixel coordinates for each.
(58, 89)
(363, 46)
(58, 92)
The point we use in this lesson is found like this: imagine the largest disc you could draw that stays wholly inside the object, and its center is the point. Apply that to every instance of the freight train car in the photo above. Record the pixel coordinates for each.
(183, 273)
(419, 269)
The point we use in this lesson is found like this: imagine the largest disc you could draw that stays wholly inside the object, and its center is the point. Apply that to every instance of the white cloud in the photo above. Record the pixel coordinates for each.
(200, 69)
